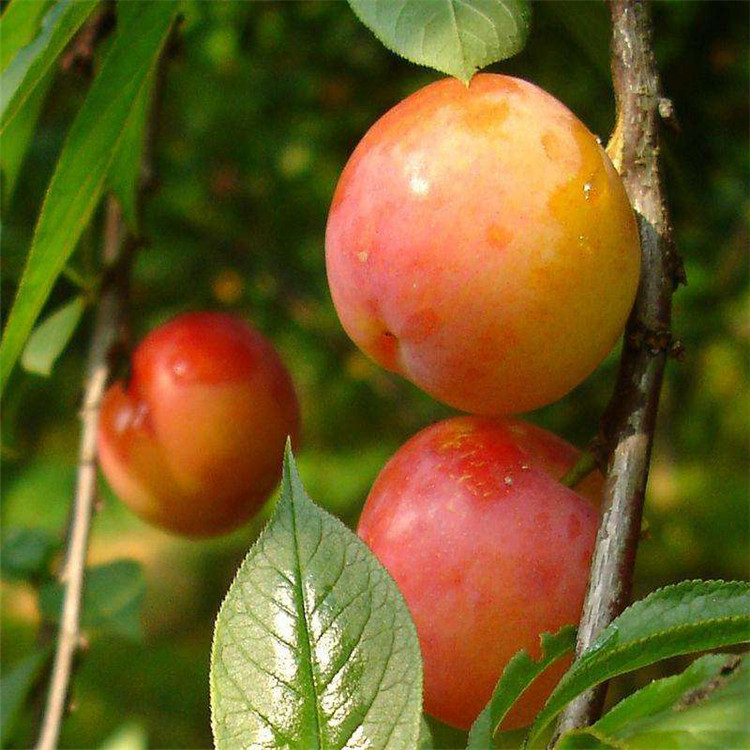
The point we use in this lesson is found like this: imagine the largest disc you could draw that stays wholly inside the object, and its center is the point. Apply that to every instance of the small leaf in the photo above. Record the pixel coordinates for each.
(661, 694)
(30, 64)
(685, 618)
(314, 647)
(51, 337)
(15, 687)
(706, 706)
(87, 155)
(425, 736)
(112, 599)
(26, 554)
(130, 736)
(456, 37)
(522, 670)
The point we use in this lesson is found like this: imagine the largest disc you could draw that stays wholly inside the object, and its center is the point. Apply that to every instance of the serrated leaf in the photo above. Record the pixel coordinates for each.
(685, 618)
(87, 155)
(112, 599)
(49, 339)
(15, 687)
(31, 62)
(707, 706)
(457, 37)
(313, 647)
(26, 553)
(522, 670)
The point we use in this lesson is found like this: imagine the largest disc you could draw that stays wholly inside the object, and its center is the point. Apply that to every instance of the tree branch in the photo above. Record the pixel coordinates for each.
(627, 427)
(108, 335)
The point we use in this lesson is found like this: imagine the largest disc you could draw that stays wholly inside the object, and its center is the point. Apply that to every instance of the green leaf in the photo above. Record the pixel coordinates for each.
(15, 687)
(685, 618)
(314, 646)
(18, 136)
(32, 61)
(425, 736)
(125, 173)
(522, 670)
(130, 736)
(112, 599)
(90, 148)
(20, 23)
(26, 554)
(51, 337)
(707, 706)
(457, 37)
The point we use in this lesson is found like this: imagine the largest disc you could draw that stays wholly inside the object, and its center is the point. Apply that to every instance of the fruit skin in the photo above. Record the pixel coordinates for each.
(489, 551)
(481, 244)
(194, 441)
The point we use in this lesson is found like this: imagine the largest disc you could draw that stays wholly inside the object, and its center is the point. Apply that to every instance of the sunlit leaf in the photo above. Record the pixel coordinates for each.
(457, 37)
(314, 646)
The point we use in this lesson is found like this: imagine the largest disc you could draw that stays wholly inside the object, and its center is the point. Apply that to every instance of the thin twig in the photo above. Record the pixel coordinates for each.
(104, 337)
(627, 427)
(110, 331)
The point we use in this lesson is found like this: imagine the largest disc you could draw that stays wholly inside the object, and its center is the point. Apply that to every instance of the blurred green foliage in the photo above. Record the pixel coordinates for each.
(264, 102)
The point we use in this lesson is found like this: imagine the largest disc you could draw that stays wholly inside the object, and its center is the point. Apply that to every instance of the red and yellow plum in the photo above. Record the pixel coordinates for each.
(481, 244)
(489, 550)
(194, 441)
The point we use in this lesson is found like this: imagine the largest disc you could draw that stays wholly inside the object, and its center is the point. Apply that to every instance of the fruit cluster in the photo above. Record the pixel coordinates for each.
(481, 244)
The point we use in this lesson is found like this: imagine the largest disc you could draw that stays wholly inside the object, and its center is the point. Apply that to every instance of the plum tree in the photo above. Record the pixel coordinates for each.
(489, 550)
(194, 441)
(481, 244)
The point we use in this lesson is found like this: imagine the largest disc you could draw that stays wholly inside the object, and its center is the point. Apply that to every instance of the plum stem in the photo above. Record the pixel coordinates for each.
(627, 426)
(109, 332)
(585, 464)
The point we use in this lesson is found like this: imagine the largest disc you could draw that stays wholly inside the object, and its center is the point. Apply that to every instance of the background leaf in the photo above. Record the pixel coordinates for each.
(112, 599)
(32, 61)
(706, 706)
(681, 619)
(314, 646)
(15, 687)
(453, 36)
(90, 148)
(26, 553)
(51, 337)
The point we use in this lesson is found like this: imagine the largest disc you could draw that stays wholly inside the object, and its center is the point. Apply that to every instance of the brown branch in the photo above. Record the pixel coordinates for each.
(627, 427)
